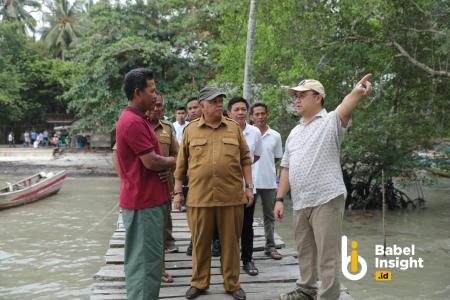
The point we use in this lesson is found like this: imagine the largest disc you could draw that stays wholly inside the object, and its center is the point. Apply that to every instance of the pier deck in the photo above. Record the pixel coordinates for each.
(275, 276)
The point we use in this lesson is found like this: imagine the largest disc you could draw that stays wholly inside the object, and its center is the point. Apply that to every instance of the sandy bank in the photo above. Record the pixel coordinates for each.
(20, 161)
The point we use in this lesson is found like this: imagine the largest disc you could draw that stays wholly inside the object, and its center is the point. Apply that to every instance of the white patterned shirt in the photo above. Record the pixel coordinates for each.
(312, 154)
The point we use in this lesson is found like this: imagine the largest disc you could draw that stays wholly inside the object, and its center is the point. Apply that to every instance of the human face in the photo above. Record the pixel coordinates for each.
(259, 116)
(157, 112)
(238, 112)
(307, 102)
(181, 114)
(212, 109)
(146, 97)
(194, 111)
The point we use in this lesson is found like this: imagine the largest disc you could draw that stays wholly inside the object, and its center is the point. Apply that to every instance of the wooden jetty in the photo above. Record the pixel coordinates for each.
(275, 276)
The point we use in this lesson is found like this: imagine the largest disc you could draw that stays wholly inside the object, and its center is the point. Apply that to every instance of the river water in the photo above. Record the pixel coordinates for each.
(52, 248)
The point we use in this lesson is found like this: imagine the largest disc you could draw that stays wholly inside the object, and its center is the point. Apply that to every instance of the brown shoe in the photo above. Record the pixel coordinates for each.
(193, 292)
(238, 294)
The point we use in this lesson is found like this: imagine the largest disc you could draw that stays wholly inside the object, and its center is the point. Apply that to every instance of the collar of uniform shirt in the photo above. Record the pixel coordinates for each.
(320, 114)
(202, 122)
(159, 124)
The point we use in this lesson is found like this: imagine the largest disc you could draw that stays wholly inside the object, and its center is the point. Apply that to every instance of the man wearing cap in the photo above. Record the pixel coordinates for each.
(311, 168)
(215, 156)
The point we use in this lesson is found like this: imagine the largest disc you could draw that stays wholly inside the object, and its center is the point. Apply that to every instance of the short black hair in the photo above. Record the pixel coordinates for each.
(317, 94)
(181, 108)
(136, 79)
(235, 100)
(190, 99)
(258, 104)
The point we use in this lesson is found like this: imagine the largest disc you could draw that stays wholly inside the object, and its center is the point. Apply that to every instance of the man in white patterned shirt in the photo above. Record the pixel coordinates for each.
(311, 169)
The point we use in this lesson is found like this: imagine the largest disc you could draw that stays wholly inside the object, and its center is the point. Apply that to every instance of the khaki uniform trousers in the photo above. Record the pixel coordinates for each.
(318, 232)
(202, 222)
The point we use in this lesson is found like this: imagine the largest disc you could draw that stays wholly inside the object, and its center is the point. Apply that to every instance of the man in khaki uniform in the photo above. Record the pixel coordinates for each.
(169, 147)
(215, 156)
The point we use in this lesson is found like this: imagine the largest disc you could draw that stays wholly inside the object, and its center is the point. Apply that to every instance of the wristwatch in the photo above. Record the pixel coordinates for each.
(249, 186)
(279, 199)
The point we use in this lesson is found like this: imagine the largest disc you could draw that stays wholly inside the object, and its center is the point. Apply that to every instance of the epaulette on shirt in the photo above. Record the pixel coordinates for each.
(230, 119)
(166, 122)
(191, 122)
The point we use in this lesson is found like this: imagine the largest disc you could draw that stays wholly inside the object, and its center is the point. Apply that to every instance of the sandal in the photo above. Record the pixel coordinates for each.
(273, 254)
(250, 268)
(166, 278)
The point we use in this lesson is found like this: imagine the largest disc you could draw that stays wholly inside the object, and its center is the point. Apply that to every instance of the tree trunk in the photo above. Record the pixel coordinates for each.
(249, 52)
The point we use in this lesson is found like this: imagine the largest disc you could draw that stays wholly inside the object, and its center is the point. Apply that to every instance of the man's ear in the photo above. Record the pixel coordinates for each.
(136, 92)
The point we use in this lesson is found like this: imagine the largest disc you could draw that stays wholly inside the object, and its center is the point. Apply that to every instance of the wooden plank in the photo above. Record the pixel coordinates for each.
(258, 243)
(116, 255)
(274, 277)
(255, 291)
(285, 270)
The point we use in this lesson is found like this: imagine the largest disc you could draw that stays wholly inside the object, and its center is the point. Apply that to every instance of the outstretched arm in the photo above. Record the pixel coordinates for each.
(351, 101)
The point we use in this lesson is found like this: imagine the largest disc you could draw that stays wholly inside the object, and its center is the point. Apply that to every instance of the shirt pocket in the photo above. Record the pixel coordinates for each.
(197, 148)
(231, 147)
(164, 139)
(164, 142)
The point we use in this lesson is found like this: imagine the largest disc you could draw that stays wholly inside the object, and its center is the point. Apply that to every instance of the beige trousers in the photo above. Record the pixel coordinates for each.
(202, 222)
(318, 232)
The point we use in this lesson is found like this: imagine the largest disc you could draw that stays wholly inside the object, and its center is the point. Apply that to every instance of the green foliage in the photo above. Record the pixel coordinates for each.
(188, 44)
(31, 84)
(121, 38)
(337, 42)
(19, 10)
(64, 25)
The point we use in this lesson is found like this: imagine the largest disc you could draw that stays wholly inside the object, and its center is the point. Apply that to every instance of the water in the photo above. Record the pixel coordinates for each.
(51, 249)
(428, 229)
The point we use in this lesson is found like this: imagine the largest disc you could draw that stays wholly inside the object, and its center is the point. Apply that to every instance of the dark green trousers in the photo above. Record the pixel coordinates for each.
(144, 251)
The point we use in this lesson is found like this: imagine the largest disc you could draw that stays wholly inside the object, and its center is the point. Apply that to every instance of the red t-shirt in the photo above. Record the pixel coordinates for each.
(139, 188)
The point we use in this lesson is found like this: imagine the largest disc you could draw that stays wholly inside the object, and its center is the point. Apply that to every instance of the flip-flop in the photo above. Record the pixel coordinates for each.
(250, 269)
(166, 278)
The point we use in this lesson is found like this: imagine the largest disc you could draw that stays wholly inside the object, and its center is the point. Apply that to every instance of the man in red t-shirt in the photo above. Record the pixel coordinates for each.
(144, 191)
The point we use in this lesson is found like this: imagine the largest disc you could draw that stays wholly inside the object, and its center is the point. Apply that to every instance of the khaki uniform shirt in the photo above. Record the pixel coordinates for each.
(212, 158)
(168, 143)
(166, 138)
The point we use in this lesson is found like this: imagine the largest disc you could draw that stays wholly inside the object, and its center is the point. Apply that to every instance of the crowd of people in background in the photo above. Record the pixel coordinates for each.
(47, 138)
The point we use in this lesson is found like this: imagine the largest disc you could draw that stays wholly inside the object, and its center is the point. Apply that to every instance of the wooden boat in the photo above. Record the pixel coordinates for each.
(33, 188)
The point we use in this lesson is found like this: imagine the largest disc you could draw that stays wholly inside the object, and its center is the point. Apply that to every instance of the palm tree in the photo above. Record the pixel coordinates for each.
(65, 25)
(15, 10)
